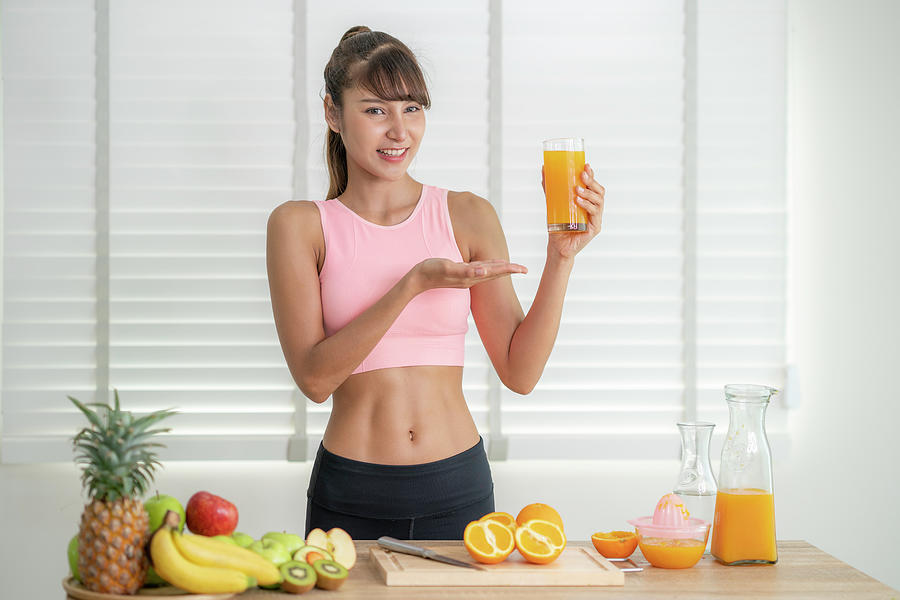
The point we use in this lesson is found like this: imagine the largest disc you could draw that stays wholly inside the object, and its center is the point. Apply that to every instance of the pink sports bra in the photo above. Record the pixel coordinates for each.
(364, 260)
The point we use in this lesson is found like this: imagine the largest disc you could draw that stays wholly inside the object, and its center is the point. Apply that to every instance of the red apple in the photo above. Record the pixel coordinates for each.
(208, 514)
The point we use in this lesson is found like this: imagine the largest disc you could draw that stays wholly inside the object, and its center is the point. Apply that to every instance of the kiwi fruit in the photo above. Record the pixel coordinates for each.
(298, 576)
(330, 574)
(303, 551)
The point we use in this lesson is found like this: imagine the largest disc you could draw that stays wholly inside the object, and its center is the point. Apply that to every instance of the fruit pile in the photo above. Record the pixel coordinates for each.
(123, 544)
(536, 532)
(219, 564)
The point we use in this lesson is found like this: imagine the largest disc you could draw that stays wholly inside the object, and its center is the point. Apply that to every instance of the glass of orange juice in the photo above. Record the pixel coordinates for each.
(563, 165)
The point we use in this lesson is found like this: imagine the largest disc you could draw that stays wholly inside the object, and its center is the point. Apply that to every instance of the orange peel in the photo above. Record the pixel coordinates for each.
(502, 517)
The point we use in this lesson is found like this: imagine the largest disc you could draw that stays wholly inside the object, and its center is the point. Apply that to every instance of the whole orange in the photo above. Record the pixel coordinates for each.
(538, 510)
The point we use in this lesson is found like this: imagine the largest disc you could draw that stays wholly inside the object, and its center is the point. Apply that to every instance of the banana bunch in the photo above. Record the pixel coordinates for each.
(203, 565)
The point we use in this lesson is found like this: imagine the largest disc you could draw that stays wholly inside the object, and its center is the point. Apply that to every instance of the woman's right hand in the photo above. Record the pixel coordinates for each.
(445, 273)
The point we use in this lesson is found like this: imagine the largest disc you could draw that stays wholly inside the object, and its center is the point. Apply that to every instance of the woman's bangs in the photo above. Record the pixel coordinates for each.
(392, 76)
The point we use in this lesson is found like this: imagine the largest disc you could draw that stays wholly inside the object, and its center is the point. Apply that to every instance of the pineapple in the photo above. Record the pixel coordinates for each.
(118, 464)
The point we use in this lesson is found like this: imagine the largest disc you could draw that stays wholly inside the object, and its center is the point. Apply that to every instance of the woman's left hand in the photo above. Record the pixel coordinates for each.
(590, 197)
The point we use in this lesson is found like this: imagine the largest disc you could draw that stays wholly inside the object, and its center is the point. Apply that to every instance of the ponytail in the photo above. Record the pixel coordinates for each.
(336, 158)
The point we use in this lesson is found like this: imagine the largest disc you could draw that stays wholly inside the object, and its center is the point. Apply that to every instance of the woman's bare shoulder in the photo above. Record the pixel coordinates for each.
(293, 214)
(295, 210)
(475, 224)
(469, 208)
(298, 221)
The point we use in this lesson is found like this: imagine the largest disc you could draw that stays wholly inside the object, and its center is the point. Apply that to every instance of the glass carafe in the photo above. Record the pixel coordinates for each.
(744, 522)
(696, 485)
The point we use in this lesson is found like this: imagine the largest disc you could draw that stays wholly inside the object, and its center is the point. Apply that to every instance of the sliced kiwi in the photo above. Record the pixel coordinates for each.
(298, 576)
(329, 574)
(303, 551)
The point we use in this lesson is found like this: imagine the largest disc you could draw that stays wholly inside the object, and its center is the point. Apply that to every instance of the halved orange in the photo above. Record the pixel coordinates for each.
(502, 517)
(539, 510)
(615, 544)
(488, 541)
(540, 541)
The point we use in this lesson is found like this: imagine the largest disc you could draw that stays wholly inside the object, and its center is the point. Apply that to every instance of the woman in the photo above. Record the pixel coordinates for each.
(371, 291)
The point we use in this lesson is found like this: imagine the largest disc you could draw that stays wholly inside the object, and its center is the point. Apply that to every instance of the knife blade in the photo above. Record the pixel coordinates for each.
(396, 545)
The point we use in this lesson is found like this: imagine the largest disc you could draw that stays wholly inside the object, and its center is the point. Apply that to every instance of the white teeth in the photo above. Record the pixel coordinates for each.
(393, 152)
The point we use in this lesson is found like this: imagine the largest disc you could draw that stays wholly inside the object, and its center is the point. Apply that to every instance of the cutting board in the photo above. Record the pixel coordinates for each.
(575, 566)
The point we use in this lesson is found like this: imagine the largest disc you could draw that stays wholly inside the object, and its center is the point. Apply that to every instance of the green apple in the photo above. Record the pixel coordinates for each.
(153, 578)
(242, 539)
(225, 538)
(272, 551)
(291, 541)
(156, 507)
(73, 557)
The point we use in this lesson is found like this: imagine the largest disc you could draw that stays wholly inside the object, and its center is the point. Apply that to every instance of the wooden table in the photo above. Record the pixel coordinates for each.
(803, 571)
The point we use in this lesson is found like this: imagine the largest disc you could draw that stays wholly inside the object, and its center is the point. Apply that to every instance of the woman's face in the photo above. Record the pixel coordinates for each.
(380, 136)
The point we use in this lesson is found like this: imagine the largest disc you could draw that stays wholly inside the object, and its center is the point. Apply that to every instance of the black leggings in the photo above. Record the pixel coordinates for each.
(427, 501)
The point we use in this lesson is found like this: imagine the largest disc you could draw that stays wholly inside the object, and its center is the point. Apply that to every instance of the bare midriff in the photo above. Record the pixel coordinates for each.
(401, 416)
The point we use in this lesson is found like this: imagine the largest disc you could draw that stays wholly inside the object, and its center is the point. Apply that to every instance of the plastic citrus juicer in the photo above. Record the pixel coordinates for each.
(671, 538)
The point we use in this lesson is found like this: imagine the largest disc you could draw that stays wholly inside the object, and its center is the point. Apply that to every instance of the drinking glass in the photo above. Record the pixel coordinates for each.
(563, 165)
(696, 485)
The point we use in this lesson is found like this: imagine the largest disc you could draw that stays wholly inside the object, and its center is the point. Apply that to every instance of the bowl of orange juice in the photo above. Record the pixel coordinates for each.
(671, 538)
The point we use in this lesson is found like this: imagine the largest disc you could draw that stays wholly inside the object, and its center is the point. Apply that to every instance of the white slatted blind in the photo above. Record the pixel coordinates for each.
(202, 148)
(215, 118)
(49, 306)
(741, 220)
(616, 80)
(201, 144)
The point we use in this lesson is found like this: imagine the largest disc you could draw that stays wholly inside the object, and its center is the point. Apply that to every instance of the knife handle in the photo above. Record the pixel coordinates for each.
(399, 546)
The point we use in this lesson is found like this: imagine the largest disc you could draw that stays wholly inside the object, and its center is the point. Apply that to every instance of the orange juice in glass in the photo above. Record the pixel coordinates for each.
(563, 165)
(744, 526)
(744, 519)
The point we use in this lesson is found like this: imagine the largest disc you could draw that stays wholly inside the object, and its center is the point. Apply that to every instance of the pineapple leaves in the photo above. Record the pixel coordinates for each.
(148, 420)
(91, 415)
(116, 451)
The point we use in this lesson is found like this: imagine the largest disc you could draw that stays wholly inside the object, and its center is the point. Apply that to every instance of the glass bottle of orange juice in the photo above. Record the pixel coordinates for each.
(744, 520)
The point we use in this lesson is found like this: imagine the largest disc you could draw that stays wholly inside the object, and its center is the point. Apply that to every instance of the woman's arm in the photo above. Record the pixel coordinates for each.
(533, 340)
(518, 345)
(319, 364)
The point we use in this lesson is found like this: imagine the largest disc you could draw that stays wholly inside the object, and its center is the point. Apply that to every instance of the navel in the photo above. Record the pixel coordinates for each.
(412, 435)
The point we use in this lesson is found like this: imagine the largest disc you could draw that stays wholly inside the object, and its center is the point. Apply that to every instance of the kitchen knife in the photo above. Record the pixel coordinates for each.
(407, 548)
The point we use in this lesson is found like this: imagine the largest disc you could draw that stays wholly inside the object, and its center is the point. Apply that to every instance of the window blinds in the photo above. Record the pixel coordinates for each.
(200, 122)
(614, 376)
(202, 133)
(740, 203)
(214, 117)
(49, 307)
(682, 110)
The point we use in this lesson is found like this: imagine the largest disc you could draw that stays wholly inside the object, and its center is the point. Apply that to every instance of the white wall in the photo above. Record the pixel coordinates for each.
(837, 489)
(844, 127)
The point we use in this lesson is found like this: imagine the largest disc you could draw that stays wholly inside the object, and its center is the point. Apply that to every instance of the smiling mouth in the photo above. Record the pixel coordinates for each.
(393, 153)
